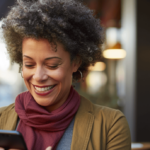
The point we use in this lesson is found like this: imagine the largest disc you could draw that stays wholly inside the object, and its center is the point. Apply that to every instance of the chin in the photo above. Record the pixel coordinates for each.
(44, 101)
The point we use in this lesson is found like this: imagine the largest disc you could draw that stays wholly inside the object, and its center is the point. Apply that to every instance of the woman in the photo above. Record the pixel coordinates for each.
(55, 41)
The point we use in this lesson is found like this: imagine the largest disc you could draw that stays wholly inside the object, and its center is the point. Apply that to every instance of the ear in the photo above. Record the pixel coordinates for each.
(76, 64)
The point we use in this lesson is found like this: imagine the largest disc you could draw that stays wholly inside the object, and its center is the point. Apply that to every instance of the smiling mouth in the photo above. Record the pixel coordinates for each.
(44, 90)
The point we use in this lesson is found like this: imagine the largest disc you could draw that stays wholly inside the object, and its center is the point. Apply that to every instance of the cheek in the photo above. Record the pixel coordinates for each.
(27, 74)
(61, 75)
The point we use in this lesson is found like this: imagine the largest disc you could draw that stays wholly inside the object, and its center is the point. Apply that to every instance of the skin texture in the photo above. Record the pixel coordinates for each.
(44, 67)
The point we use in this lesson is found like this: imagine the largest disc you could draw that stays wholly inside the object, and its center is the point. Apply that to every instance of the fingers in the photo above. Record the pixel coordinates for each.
(49, 148)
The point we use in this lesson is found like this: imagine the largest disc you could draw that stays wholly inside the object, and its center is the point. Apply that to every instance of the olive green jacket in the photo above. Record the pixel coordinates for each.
(95, 128)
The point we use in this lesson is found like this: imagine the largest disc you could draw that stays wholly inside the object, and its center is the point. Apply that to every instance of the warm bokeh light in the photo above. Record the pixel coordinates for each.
(99, 66)
(112, 36)
(114, 53)
(95, 80)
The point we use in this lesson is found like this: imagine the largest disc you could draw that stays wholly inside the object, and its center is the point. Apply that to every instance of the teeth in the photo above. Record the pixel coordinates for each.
(44, 89)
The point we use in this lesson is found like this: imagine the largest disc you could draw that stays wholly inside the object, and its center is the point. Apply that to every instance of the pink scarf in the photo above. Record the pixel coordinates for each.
(41, 128)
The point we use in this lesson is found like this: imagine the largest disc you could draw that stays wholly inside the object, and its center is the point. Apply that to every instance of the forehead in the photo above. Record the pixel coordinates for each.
(42, 48)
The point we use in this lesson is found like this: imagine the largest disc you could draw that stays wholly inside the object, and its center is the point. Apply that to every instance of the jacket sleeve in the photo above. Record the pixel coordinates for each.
(118, 137)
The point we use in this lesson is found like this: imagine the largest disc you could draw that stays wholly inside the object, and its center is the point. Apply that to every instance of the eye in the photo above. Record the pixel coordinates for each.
(53, 67)
(29, 66)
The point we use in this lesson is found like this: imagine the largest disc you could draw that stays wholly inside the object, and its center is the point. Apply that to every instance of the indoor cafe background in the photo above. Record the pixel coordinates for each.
(122, 79)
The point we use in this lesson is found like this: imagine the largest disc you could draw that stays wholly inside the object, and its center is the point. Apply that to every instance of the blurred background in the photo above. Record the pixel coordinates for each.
(122, 79)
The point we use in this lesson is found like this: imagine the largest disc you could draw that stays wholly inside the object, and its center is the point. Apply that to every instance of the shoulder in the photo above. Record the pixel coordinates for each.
(101, 111)
(112, 123)
(113, 119)
(2, 109)
(8, 117)
(108, 114)
(11, 107)
(7, 108)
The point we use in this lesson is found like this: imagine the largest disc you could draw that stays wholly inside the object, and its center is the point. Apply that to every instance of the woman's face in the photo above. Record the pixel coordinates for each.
(47, 74)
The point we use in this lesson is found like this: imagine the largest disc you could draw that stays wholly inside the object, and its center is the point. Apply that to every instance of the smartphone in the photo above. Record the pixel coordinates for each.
(12, 139)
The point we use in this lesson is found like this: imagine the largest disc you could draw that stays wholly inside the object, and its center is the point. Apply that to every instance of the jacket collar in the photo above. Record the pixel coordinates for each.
(83, 125)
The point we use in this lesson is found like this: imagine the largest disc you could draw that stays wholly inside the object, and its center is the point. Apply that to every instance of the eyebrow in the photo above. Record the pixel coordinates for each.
(52, 58)
(45, 59)
(27, 56)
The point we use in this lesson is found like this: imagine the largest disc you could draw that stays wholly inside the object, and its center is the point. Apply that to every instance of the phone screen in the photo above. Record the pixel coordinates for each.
(12, 139)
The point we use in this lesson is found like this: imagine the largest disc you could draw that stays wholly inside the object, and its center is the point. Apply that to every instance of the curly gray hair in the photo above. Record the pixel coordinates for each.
(66, 21)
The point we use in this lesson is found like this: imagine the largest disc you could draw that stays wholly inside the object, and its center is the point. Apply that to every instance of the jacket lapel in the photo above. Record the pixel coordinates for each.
(83, 125)
(8, 118)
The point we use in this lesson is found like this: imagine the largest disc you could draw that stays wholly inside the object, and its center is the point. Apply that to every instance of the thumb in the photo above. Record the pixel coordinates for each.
(49, 148)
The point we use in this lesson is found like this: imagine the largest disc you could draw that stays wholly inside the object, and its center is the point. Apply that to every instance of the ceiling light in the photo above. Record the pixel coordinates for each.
(114, 53)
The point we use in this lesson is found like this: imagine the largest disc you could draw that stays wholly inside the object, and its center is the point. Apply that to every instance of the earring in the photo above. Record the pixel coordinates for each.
(81, 74)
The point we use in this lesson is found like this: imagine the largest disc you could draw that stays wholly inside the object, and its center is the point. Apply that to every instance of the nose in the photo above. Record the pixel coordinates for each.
(40, 74)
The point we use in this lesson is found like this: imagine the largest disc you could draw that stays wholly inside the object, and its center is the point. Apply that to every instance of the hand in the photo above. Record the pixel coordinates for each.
(48, 148)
